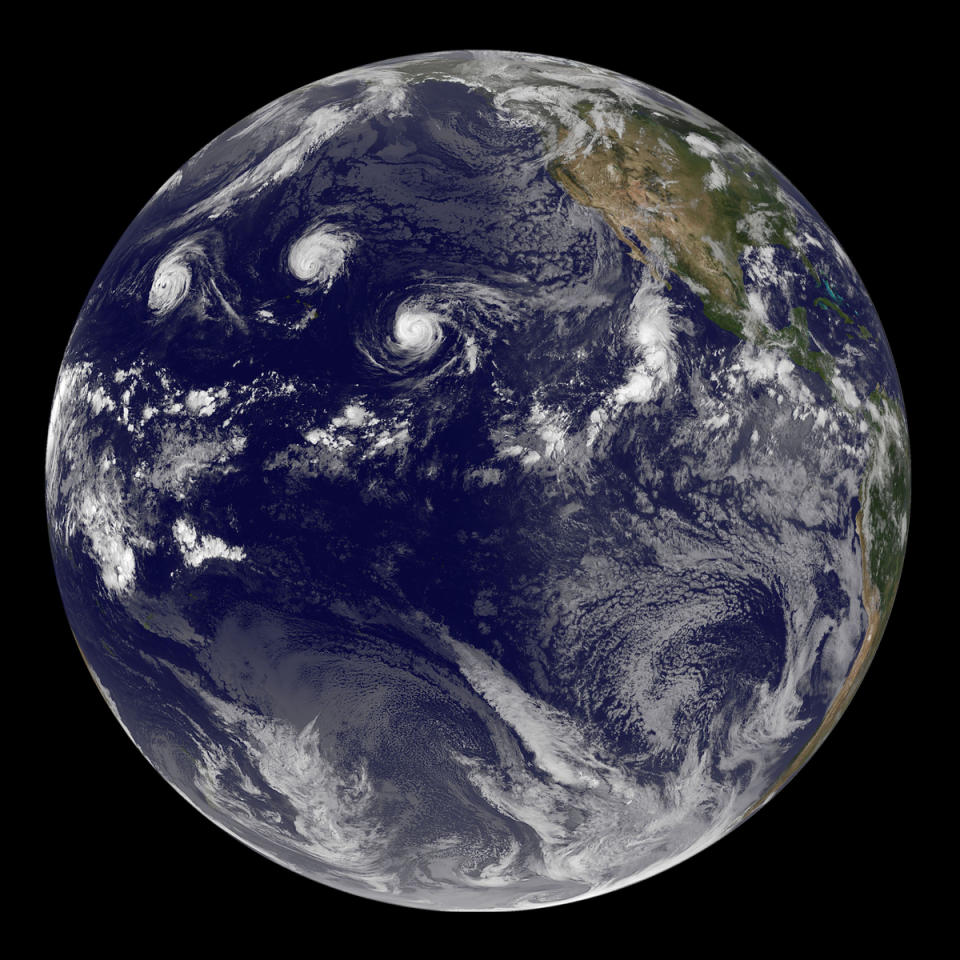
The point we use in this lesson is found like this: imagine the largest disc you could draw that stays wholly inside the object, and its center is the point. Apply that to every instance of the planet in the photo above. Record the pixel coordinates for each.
(477, 481)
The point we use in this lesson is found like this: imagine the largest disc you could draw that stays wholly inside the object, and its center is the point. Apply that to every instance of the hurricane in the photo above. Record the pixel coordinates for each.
(417, 333)
(319, 255)
(171, 282)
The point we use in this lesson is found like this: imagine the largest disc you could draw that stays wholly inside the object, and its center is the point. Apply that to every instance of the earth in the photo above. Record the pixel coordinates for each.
(477, 481)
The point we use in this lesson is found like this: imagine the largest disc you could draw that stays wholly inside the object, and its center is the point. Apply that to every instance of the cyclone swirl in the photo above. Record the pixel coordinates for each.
(417, 334)
(318, 256)
(421, 334)
(171, 281)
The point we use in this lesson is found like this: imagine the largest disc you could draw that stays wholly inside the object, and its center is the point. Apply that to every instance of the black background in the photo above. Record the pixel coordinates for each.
(118, 107)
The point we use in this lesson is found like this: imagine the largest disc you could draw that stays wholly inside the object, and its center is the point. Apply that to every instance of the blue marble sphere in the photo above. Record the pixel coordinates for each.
(477, 481)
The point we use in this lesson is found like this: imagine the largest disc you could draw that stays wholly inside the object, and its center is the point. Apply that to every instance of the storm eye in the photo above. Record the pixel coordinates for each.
(319, 255)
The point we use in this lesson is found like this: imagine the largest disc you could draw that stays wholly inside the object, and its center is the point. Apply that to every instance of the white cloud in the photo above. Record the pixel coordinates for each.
(198, 548)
